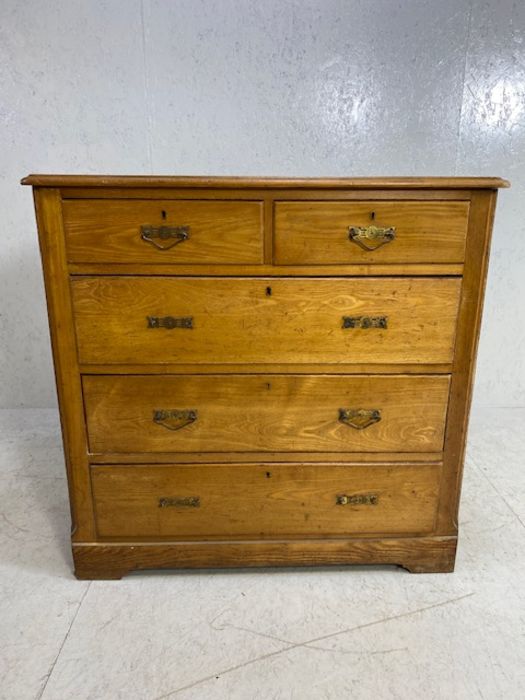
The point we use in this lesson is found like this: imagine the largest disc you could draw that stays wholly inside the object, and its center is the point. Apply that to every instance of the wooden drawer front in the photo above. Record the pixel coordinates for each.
(270, 413)
(318, 232)
(241, 320)
(109, 231)
(241, 501)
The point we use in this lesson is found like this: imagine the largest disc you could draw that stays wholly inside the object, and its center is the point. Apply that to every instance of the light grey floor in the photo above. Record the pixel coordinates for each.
(363, 632)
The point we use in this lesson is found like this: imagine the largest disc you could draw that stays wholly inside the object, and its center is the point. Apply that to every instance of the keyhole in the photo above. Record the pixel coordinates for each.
(372, 215)
(268, 291)
(163, 214)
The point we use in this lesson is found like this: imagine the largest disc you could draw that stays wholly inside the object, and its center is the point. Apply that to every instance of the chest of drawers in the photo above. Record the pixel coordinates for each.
(263, 372)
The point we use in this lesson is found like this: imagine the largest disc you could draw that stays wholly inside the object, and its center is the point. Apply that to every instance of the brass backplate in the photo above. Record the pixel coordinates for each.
(180, 502)
(174, 418)
(357, 499)
(169, 322)
(365, 321)
(359, 418)
(371, 237)
(164, 237)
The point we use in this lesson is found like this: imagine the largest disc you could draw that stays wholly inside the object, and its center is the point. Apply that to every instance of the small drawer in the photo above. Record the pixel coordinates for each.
(329, 233)
(264, 501)
(158, 320)
(163, 231)
(265, 413)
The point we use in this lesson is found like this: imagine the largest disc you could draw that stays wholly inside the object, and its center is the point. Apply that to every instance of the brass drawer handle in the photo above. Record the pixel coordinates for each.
(371, 237)
(164, 237)
(359, 418)
(365, 321)
(173, 418)
(180, 501)
(169, 322)
(357, 499)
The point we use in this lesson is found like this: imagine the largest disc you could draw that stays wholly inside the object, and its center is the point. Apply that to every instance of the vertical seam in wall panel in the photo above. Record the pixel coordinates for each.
(147, 105)
(461, 107)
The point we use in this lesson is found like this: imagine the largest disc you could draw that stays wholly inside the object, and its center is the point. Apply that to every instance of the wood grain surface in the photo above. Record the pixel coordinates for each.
(110, 231)
(237, 501)
(265, 320)
(63, 342)
(240, 413)
(317, 232)
(422, 555)
(266, 270)
(57, 180)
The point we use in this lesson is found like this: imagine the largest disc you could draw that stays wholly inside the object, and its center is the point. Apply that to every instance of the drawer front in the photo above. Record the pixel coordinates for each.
(240, 320)
(242, 501)
(163, 231)
(270, 413)
(315, 233)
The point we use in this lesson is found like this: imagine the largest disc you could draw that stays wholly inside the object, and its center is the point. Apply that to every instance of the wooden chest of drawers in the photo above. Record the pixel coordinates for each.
(263, 372)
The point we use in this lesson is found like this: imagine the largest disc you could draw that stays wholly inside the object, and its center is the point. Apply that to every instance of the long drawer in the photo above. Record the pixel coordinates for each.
(266, 413)
(264, 501)
(313, 233)
(163, 231)
(160, 320)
